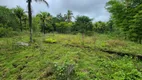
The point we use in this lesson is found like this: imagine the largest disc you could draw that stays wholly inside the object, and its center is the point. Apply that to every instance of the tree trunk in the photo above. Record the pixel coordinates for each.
(43, 26)
(25, 24)
(30, 19)
(21, 24)
(83, 38)
(54, 27)
(44, 29)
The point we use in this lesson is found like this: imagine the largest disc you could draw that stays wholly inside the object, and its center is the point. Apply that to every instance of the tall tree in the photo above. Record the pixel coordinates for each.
(44, 16)
(69, 15)
(83, 24)
(136, 28)
(54, 21)
(8, 18)
(30, 15)
(19, 12)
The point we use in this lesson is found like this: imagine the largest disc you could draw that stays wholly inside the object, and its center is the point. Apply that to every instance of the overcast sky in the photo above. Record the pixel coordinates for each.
(92, 8)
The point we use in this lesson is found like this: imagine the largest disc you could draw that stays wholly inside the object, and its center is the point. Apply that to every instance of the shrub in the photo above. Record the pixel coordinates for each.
(6, 32)
(50, 40)
(65, 71)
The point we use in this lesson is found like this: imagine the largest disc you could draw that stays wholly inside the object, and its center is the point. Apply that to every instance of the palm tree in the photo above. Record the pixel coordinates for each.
(19, 12)
(30, 15)
(54, 20)
(69, 16)
(44, 16)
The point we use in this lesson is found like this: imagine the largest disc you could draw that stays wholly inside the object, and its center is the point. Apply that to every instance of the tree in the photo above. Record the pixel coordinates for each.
(54, 21)
(44, 16)
(19, 12)
(126, 16)
(83, 24)
(136, 29)
(7, 18)
(110, 26)
(68, 16)
(100, 27)
(30, 15)
(24, 19)
(8, 22)
(49, 23)
(36, 22)
(63, 27)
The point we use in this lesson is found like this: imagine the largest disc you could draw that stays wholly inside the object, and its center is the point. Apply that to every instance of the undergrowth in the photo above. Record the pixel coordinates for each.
(59, 61)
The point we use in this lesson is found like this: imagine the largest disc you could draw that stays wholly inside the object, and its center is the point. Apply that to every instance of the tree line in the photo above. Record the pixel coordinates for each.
(45, 22)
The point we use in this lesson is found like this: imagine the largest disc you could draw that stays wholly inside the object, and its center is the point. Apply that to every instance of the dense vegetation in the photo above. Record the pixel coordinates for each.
(47, 47)
(126, 16)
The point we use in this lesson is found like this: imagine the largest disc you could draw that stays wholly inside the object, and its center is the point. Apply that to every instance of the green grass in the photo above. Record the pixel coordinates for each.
(118, 45)
(50, 61)
(101, 41)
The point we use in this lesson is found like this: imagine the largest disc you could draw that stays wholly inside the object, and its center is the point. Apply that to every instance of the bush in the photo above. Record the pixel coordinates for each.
(5, 32)
(50, 40)
(65, 71)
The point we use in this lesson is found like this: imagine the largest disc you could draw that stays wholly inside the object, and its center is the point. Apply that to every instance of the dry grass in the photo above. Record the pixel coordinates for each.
(115, 43)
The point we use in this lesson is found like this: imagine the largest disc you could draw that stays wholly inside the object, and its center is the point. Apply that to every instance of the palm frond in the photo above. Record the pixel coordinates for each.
(43, 1)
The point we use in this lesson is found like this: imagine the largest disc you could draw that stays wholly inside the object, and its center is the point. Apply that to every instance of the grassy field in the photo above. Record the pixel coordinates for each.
(69, 57)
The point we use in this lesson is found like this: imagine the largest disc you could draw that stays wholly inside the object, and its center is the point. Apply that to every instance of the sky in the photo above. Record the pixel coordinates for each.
(93, 8)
